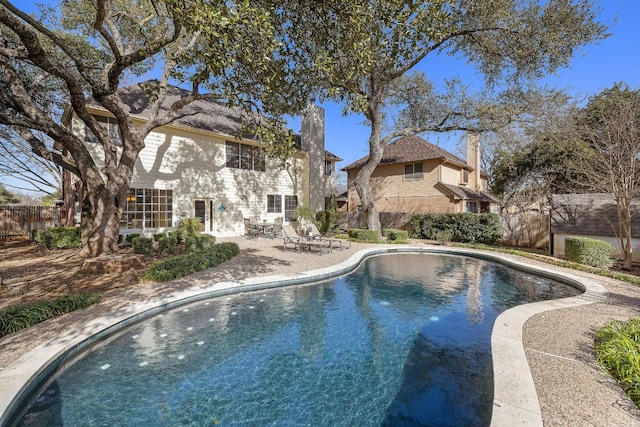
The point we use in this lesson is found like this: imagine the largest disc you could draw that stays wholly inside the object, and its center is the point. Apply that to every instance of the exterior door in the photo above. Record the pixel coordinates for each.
(203, 209)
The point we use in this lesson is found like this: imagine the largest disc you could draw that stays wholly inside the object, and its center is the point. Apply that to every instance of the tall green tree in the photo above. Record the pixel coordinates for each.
(609, 128)
(82, 51)
(361, 53)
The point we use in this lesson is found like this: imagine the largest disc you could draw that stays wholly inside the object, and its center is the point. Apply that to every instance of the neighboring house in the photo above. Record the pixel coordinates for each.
(590, 215)
(415, 176)
(196, 167)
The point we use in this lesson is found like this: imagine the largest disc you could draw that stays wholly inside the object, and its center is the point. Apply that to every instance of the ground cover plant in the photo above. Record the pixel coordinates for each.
(618, 351)
(17, 317)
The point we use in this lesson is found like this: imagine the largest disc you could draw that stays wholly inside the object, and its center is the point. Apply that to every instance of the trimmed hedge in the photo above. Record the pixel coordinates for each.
(396, 236)
(59, 237)
(363, 235)
(17, 317)
(142, 245)
(584, 250)
(192, 262)
(464, 227)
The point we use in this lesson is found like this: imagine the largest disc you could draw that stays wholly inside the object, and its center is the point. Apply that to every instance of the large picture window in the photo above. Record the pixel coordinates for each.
(148, 208)
(110, 124)
(274, 203)
(413, 171)
(290, 206)
(242, 156)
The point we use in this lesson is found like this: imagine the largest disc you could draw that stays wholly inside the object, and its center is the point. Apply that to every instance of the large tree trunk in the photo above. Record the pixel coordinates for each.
(362, 181)
(101, 212)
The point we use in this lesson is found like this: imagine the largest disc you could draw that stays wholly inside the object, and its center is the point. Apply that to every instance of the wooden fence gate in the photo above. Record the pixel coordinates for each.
(20, 221)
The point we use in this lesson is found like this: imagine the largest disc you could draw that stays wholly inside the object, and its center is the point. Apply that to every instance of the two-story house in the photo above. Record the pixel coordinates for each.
(415, 176)
(197, 167)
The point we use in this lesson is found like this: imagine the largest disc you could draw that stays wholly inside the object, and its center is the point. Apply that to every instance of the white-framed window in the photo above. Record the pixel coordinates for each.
(464, 176)
(290, 205)
(111, 126)
(472, 207)
(243, 156)
(148, 208)
(413, 171)
(274, 203)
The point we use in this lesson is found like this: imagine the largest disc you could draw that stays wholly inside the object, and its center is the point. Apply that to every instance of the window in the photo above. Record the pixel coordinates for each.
(413, 171)
(274, 203)
(464, 176)
(148, 208)
(472, 207)
(290, 205)
(328, 167)
(242, 156)
(110, 124)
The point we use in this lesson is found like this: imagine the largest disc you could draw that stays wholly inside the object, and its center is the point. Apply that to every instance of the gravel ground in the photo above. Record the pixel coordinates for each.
(572, 389)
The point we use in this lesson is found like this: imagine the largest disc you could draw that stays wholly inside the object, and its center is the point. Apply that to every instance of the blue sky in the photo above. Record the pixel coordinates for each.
(594, 68)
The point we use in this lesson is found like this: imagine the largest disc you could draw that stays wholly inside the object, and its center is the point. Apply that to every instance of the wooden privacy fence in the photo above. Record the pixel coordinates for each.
(20, 221)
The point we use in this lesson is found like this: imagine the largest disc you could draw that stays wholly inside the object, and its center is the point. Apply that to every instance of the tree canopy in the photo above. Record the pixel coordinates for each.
(361, 53)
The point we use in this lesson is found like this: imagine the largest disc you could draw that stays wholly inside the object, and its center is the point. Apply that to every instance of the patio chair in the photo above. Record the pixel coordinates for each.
(302, 242)
(290, 238)
(249, 230)
(276, 231)
(314, 233)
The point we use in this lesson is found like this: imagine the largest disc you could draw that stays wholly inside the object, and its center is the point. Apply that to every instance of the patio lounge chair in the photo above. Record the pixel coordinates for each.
(290, 237)
(315, 234)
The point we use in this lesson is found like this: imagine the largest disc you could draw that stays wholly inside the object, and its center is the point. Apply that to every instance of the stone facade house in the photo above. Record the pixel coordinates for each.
(198, 167)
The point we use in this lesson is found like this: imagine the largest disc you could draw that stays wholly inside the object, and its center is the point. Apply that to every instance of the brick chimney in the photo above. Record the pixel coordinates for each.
(473, 159)
(312, 142)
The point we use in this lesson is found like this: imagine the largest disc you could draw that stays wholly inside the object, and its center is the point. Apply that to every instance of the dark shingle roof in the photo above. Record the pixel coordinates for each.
(411, 149)
(207, 115)
(469, 194)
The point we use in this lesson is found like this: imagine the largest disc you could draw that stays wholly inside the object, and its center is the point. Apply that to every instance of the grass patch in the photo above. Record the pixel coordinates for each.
(191, 262)
(17, 317)
(617, 350)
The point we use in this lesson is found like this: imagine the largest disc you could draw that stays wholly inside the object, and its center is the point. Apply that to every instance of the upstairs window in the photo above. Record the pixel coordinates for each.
(243, 156)
(110, 125)
(464, 176)
(328, 167)
(413, 171)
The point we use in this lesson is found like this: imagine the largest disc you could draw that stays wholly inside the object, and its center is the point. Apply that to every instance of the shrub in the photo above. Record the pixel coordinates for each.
(59, 237)
(167, 244)
(183, 265)
(464, 227)
(143, 245)
(131, 236)
(588, 251)
(327, 220)
(158, 236)
(363, 235)
(396, 236)
(618, 350)
(17, 317)
(443, 237)
(199, 242)
(189, 227)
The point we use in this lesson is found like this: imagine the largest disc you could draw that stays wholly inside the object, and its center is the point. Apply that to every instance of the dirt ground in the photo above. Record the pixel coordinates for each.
(29, 272)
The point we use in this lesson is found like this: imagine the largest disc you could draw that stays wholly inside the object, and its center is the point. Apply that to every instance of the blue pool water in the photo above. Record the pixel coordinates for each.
(402, 341)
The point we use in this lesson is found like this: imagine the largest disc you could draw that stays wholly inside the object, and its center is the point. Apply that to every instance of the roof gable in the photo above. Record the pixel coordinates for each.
(411, 149)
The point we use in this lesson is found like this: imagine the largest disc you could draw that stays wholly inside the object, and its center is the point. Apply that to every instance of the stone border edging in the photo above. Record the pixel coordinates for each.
(515, 397)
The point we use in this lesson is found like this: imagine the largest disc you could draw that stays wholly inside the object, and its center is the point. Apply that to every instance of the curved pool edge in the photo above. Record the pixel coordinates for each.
(515, 397)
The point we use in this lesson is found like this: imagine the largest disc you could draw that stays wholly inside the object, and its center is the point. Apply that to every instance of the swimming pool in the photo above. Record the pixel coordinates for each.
(404, 340)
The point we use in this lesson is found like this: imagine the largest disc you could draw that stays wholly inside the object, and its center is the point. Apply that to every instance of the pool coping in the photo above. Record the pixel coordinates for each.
(515, 398)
